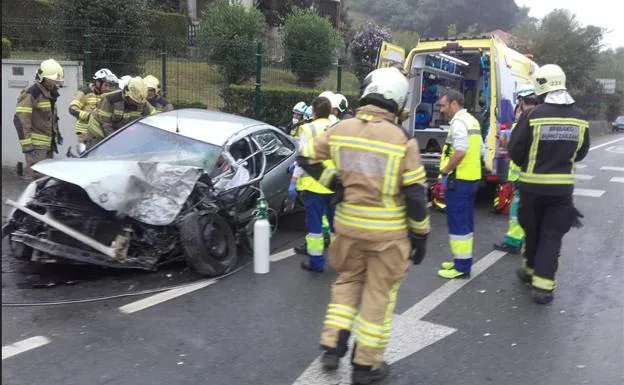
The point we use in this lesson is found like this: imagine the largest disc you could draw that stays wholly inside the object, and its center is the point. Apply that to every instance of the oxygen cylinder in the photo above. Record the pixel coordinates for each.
(261, 238)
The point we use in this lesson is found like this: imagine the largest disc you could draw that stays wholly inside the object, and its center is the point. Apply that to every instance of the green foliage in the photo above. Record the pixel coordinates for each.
(170, 31)
(276, 11)
(365, 47)
(28, 24)
(277, 102)
(309, 44)
(6, 48)
(406, 39)
(228, 36)
(183, 104)
(119, 32)
(611, 66)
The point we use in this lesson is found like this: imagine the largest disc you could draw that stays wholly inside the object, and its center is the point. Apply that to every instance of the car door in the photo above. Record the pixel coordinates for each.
(280, 152)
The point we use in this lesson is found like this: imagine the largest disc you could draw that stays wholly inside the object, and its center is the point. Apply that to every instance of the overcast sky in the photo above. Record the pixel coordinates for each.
(602, 13)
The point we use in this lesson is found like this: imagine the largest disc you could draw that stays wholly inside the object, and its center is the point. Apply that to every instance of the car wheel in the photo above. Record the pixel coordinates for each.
(209, 244)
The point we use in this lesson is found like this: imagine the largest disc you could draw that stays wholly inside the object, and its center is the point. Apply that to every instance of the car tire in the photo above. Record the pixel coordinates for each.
(209, 244)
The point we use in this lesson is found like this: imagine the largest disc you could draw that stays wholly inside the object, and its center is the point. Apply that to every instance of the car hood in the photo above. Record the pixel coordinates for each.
(150, 192)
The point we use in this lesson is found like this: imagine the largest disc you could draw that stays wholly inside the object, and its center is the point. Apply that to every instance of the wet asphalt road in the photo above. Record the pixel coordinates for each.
(250, 329)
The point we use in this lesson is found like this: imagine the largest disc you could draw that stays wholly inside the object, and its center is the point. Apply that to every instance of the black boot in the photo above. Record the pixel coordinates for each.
(331, 357)
(523, 275)
(301, 249)
(542, 297)
(365, 374)
(506, 248)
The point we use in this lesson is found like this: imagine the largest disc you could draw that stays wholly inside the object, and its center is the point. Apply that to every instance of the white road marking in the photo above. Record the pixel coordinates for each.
(605, 144)
(583, 177)
(24, 346)
(615, 149)
(580, 165)
(611, 168)
(144, 303)
(282, 255)
(409, 333)
(585, 192)
(617, 179)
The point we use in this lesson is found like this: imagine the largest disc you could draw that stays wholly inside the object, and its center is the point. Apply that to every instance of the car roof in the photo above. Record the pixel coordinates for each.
(211, 127)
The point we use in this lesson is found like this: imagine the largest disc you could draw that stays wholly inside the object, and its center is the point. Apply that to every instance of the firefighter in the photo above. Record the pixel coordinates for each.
(36, 118)
(316, 197)
(460, 170)
(117, 109)
(546, 144)
(381, 221)
(86, 99)
(293, 128)
(154, 98)
(512, 243)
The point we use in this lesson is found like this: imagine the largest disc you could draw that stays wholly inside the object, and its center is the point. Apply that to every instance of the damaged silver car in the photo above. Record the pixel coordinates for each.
(176, 185)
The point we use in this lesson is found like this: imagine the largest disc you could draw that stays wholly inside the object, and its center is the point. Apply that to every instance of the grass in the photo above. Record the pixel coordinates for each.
(191, 80)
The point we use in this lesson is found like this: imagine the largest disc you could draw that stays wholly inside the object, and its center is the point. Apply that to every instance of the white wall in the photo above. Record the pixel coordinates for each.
(18, 74)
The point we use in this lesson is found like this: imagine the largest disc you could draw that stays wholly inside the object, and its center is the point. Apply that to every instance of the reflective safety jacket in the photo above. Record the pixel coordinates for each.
(469, 169)
(113, 113)
(514, 170)
(36, 119)
(385, 188)
(546, 143)
(84, 102)
(160, 104)
(308, 133)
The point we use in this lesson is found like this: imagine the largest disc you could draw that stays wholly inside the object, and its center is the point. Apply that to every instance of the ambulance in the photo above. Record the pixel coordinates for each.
(485, 70)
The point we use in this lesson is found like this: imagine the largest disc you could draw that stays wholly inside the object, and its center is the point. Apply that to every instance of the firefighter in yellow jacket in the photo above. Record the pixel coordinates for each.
(153, 95)
(36, 118)
(317, 198)
(86, 99)
(381, 221)
(117, 109)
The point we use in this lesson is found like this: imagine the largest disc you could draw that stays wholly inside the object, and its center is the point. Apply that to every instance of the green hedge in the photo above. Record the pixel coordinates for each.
(179, 105)
(6, 48)
(276, 102)
(171, 30)
(28, 23)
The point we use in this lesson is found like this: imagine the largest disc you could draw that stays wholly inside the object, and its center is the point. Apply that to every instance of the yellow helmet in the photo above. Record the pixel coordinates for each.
(152, 82)
(548, 78)
(136, 90)
(50, 69)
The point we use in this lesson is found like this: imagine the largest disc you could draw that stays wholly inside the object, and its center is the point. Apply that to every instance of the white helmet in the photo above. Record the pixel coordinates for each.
(330, 96)
(124, 80)
(152, 82)
(308, 113)
(548, 78)
(388, 86)
(50, 69)
(341, 102)
(106, 75)
(299, 108)
(525, 90)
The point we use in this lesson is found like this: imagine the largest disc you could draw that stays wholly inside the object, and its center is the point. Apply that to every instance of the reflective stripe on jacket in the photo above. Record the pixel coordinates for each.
(309, 132)
(84, 102)
(35, 118)
(469, 169)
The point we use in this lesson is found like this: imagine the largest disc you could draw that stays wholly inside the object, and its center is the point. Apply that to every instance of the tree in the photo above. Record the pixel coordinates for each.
(228, 34)
(276, 11)
(119, 32)
(560, 39)
(309, 45)
(365, 46)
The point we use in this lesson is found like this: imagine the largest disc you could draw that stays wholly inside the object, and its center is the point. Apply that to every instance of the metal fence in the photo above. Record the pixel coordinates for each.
(188, 74)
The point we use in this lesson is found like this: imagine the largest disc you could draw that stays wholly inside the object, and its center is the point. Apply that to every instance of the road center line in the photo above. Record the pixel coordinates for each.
(605, 144)
(617, 179)
(583, 177)
(580, 165)
(144, 303)
(282, 255)
(611, 168)
(442, 293)
(24, 346)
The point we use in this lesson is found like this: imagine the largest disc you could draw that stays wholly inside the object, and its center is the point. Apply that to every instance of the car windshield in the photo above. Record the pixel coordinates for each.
(620, 119)
(141, 142)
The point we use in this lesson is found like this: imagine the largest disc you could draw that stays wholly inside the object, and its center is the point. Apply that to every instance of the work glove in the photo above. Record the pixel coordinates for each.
(419, 247)
(292, 189)
(291, 168)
